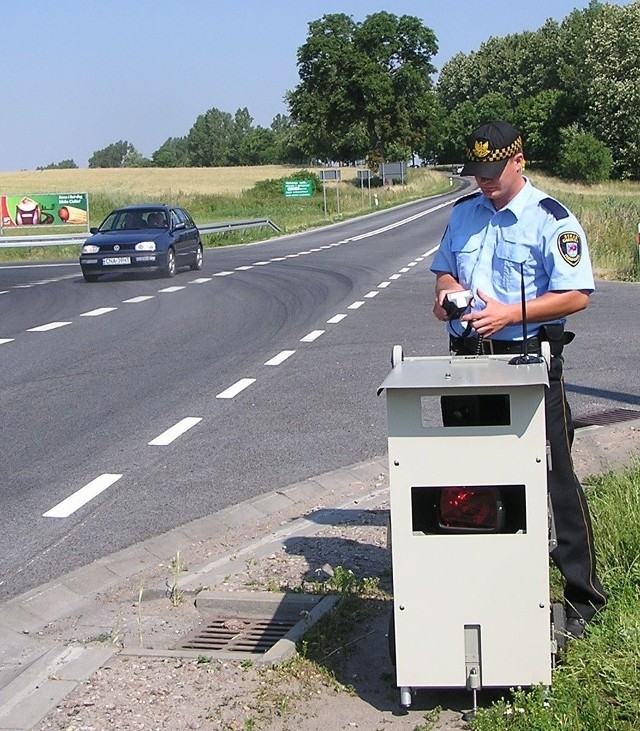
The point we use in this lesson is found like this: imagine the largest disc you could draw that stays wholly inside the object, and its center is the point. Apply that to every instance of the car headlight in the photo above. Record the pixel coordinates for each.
(90, 249)
(146, 246)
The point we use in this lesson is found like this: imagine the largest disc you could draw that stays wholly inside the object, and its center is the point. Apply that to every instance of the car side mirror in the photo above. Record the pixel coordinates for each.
(179, 226)
(93, 230)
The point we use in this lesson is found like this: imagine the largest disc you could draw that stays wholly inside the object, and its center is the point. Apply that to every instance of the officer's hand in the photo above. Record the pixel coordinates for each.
(492, 318)
(438, 309)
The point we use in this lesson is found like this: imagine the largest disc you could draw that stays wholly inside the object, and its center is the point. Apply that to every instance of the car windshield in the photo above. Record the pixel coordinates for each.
(133, 220)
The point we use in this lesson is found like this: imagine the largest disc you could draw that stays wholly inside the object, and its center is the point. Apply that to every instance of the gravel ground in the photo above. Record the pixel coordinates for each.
(134, 691)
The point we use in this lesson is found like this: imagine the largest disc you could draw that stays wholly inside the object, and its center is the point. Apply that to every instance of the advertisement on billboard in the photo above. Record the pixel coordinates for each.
(48, 209)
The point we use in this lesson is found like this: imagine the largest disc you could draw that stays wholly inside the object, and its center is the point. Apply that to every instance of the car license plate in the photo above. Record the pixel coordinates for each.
(111, 260)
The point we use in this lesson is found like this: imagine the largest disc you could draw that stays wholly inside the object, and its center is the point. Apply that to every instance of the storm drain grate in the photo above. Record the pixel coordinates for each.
(614, 416)
(239, 634)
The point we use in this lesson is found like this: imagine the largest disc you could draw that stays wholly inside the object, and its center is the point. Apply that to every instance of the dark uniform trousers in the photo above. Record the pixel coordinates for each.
(575, 554)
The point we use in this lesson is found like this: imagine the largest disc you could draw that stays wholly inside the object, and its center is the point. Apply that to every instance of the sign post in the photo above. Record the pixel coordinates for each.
(362, 176)
(333, 174)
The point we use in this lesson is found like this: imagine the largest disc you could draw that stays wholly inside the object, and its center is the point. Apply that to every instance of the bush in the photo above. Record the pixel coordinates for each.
(583, 157)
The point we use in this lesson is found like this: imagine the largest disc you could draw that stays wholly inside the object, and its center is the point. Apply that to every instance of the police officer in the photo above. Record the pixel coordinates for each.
(504, 237)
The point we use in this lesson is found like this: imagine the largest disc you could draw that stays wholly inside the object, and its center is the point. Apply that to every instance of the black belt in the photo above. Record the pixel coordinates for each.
(486, 346)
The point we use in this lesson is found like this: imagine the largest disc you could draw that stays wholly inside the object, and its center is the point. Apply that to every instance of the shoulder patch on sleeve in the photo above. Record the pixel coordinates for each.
(557, 210)
(467, 197)
(570, 247)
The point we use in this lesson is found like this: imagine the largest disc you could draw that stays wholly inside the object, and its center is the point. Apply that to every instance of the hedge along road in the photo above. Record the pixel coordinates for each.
(139, 403)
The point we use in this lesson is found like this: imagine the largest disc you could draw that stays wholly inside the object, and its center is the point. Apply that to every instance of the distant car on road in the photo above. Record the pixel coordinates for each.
(137, 237)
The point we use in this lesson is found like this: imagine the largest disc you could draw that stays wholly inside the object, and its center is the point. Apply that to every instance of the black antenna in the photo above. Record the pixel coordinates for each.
(524, 357)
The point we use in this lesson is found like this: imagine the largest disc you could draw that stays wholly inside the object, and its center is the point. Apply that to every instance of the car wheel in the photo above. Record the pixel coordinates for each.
(170, 264)
(90, 277)
(197, 264)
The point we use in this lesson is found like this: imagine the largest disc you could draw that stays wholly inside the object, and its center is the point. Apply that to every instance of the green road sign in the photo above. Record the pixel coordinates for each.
(297, 188)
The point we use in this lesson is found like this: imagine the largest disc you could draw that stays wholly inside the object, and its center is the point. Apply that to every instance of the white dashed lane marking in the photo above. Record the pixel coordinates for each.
(170, 290)
(313, 335)
(356, 305)
(373, 293)
(141, 298)
(280, 358)
(48, 326)
(175, 431)
(6, 340)
(81, 497)
(336, 319)
(98, 312)
(236, 388)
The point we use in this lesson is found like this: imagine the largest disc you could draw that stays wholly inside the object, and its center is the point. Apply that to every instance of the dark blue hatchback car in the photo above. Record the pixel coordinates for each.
(142, 237)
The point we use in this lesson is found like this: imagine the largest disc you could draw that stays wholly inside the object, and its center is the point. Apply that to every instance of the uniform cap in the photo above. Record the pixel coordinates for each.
(489, 147)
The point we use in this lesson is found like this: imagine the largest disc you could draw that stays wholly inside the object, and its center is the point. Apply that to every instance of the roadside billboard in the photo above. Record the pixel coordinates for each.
(48, 209)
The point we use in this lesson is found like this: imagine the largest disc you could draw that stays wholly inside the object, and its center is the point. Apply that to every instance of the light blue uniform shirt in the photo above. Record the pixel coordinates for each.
(484, 250)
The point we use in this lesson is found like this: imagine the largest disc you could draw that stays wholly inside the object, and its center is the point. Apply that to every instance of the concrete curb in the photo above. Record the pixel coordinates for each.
(36, 672)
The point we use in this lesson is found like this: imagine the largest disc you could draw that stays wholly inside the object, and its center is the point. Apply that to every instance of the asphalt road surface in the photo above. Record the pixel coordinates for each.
(138, 403)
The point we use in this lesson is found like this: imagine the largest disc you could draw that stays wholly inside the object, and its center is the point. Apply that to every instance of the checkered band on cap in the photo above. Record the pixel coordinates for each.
(482, 152)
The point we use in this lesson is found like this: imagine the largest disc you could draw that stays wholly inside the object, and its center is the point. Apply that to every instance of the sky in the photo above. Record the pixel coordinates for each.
(78, 75)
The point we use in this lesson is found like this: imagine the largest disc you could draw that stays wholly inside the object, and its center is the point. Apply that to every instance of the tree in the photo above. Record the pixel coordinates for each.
(540, 118)
(133, 159)
(173, 153)
(258, 147)
(365, 88)
(62, 165)
(583, 157)
(216, 137)
(613, 50)
(112, 156)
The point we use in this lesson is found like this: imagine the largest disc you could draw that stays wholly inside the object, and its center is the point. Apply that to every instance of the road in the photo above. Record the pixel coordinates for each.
(136, 404)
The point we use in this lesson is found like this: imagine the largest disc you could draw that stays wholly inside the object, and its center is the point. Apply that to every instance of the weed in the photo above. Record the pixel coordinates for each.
(174, 591)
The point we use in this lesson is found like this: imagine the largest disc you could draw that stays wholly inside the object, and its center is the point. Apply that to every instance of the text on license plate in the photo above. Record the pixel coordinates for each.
(110, 260)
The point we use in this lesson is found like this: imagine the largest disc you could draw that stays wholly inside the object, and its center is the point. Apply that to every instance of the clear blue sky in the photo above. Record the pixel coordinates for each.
(78, 75)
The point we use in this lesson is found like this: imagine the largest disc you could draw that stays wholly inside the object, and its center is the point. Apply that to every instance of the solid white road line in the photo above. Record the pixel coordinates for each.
(313, 335)
(81, 497)
(175, 431)
(141, 298)
(335, 319)
(280, 358)
(48, 326)
(99, 311)
(236, 388)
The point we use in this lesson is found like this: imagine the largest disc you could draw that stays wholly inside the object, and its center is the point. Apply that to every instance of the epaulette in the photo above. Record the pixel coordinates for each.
(557, 210)
(467, 197)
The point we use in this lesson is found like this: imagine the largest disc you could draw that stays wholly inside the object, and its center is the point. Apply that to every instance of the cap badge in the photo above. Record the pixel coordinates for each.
(481, 149)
